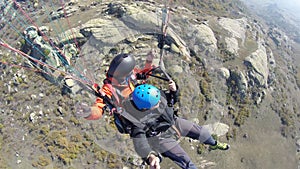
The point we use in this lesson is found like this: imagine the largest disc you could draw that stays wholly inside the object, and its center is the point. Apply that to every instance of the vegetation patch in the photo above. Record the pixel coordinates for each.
(41, 162)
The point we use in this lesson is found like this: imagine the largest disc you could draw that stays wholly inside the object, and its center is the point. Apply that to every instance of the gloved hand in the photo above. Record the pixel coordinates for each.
(172, 85)
(83, 110)
(96, 87)
(141, 76)
(154, 162)
(161, 42)
(150, 56)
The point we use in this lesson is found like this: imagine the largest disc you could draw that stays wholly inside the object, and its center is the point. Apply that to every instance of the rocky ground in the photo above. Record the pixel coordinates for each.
(39, 128)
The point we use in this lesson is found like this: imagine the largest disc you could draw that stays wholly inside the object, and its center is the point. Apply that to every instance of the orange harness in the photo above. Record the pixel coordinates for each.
(120, 92)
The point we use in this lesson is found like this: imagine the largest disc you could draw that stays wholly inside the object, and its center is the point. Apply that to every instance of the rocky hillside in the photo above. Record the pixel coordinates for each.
(238, 77)
(284, 15)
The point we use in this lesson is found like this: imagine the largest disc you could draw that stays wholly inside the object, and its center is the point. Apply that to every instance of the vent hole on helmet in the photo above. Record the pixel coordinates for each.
(148, 93)
(137, 92)
(142, 95)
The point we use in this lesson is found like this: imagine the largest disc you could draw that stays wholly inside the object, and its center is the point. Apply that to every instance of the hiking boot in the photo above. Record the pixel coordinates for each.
(220, 146)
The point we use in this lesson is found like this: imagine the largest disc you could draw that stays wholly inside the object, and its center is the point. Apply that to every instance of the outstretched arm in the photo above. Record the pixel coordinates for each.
(149, 60)
(95, 111)
(142, 74)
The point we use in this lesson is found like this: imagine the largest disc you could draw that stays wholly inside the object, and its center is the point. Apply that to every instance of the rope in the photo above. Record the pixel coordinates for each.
(75, 40)
(164, 26)
(33, 23)
(16, 16)
(62, 59)
(59, 24)
(46, 65)
(28, 41)
(65, 13)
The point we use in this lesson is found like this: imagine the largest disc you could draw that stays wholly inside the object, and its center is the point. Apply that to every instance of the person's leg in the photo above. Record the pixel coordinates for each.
(178, 155)
(194, 131)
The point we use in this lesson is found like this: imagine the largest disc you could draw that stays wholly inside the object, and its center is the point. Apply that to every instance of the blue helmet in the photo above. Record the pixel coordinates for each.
(145, 96)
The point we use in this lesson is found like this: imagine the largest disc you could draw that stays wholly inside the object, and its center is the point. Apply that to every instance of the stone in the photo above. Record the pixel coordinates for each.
(217, 128)
(236, 27)
(206, 36)
(224, 72)
(258, 63)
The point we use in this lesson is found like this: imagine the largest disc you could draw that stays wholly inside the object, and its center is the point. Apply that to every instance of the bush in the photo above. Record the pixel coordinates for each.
(243, 114)
(205, 90)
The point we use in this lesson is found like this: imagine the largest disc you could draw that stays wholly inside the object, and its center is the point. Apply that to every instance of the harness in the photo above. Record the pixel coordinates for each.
(125, 113)
(153, 122)
(119, 92)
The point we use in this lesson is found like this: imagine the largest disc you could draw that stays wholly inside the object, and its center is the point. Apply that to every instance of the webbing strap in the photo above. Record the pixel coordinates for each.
(133, 120)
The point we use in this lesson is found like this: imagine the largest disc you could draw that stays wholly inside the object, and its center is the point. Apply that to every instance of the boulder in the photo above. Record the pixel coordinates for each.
(106, 31)
(236, 27)
(240, 81)
(258, 64)
(109, 31)
(232, 45)
(206, 37)
(217, 128)
(224, 72)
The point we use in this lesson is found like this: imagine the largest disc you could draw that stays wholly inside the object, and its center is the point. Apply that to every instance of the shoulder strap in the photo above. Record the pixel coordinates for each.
(107, 82)
(141, 116)
(133, 120)
(119, 92)
(128, 107)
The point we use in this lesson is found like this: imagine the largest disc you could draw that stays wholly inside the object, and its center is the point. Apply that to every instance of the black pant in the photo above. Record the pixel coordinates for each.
(169, 146)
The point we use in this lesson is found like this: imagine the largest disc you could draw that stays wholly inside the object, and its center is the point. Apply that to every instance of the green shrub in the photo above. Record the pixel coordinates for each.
(205, 90)
(243, 114)
(201, 149)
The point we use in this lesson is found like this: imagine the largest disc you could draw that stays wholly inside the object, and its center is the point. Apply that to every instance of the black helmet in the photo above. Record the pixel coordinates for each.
(121, 66)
